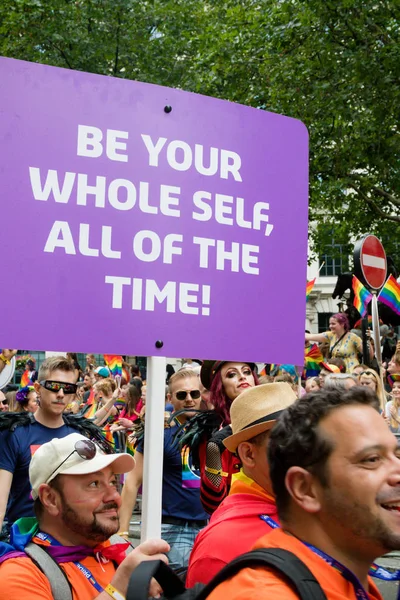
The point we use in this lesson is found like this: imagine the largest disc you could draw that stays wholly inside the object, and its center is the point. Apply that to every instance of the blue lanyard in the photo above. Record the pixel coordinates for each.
(84, 570)
(375, 570)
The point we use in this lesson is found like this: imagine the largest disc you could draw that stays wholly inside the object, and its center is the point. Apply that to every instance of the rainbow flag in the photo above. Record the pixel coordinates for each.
(120, 403)
(25, 379)
(362, 297)
(114, 363)
(312, 360)
(108, 435)
(390, 294)
(89, 414)
(190, 480)
(309, 287)
(358, 324)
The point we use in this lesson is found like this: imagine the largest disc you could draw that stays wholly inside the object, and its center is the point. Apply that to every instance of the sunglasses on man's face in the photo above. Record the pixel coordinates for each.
(194, 394)
(84, 448)
(56, 386)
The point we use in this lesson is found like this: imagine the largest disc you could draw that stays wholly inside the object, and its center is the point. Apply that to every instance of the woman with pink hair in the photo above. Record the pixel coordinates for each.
(342, 343)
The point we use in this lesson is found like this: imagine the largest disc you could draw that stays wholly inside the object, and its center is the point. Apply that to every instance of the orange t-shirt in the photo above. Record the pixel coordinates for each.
(21, 578)
(262, 583)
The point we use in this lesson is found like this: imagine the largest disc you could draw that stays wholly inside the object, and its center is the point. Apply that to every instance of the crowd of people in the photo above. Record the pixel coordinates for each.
(253, 458)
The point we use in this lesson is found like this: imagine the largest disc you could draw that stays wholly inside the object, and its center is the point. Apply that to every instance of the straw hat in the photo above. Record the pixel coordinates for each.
(210, 367)
(256, 409)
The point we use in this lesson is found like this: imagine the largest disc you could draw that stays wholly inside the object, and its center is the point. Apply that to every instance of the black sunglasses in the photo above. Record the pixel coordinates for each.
(194, 394)
(368, 373)
(84, 448)
(56, 386)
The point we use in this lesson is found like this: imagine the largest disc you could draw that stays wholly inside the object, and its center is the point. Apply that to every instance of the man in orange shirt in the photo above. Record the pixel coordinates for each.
(74, 487)
(335, 471)
(236, 526)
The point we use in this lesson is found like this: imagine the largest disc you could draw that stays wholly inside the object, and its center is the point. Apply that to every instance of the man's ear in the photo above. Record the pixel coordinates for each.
(169, 396)
(245, 451)
(49, 498)
(36, 385)
(303, 488)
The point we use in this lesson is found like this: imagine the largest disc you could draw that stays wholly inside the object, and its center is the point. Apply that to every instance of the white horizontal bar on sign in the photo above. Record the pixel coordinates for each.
(373, 261)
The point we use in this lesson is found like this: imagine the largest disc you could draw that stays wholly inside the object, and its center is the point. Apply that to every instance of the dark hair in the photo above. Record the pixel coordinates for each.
(133, 397)
(220, 400)
(135, 371)
(296, 439)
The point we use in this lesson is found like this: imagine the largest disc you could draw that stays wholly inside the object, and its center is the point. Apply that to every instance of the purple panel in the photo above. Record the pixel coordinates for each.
(57, 255)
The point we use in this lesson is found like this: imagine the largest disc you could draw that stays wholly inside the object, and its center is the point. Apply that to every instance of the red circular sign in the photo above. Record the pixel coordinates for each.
(373, 262)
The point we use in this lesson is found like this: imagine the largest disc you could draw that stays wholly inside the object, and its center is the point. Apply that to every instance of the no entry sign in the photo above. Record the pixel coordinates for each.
(370, 262)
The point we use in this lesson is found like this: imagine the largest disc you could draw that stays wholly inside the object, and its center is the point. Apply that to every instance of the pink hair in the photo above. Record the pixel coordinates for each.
(220, 400)
(343, 319)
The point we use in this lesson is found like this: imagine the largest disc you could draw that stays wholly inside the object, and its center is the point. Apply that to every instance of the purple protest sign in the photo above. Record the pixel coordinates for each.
(124, 222)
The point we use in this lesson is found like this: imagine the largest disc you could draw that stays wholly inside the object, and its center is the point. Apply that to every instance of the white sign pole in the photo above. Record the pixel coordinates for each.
(376, 334)
(153, 448)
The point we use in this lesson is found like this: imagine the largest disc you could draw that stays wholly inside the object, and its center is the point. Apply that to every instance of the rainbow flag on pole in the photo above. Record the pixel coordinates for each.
(309, 287)
(390, 294)
(312, 359)
(114, 363)
(362, 297)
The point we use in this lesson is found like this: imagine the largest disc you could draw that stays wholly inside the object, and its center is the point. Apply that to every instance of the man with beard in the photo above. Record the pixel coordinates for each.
(335, 472)
(75, 490)
(182, 513)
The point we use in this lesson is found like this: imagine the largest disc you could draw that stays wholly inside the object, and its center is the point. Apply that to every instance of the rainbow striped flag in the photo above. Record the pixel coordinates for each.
(189, 478)
(114, 363)
(108, 435)
(362, 297)
(358, 324)
(312, 360)
(390, 294)
(89, 414)
(309, 287)
(25, 379)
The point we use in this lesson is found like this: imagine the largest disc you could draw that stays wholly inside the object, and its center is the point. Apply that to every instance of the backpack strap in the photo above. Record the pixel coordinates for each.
(292, 569)
(60, 586)
(286, 563)
(139, 582)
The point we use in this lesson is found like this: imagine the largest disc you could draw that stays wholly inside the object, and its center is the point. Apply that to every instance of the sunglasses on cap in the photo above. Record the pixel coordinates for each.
(84, 448)
(194, 394)
(56, 386)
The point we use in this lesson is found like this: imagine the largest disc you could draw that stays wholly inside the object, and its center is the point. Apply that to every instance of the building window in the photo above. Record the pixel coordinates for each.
(323, 322)
(335, 260)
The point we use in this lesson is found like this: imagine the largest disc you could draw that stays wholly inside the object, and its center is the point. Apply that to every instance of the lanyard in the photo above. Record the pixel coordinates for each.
(46, 537)
(374, 571)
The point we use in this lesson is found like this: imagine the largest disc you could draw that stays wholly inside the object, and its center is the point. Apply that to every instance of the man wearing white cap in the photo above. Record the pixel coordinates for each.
(236, 525)
(76, 501)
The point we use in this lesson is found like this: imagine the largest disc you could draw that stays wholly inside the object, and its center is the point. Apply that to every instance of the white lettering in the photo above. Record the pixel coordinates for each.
(113, 145)
(153, 150)
(51, 185)
(118, 284)
(89, 141)
(60, 228)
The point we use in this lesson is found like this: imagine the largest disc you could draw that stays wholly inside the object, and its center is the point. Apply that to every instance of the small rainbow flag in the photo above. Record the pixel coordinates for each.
(108, 435)
(309, 287)
(312, 360)
(25, 379)
(114, 363)
(89, 414)
(390, 294)
(358, 324)
(362, 296)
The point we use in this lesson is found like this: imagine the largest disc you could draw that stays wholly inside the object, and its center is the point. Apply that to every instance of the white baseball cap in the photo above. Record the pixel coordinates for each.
(74, 454)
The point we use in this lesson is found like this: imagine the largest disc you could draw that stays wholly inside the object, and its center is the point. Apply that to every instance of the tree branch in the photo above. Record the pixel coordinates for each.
(375, 207)
(386, 195)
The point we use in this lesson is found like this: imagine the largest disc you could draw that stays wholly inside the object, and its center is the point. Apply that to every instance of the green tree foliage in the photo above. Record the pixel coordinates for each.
(334, 64)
